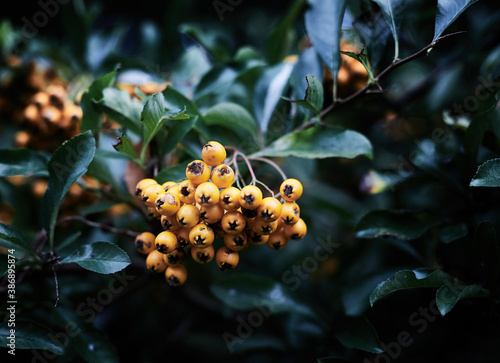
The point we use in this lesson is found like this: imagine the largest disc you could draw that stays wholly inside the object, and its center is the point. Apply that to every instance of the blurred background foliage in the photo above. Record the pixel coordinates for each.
(409, 207)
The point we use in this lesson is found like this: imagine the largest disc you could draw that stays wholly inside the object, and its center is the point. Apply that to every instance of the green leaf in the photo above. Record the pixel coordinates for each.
(175, 173)
(154, 114)
(451, 233)
(279, 39)
(176, 134)
(363, 59)
(101, 169)
(97, 87)
(409, 279)
(11, 237)
(126, 148)
(475, 133)
(448, 296)
(320, 142)
(100, 257)
(268, 90)
(176, 100)
(232, 116)
(68, 163)
(23, 162)
(308, 63)
(248, 292)
(323, 21)
(360, 334)
(30, 335)
(391, 9)
(487, 175)
(122, 108)
(399, 224)
(313, 99)
(447, 12)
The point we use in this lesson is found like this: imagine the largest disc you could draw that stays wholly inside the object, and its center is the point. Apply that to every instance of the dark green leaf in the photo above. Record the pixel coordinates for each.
(23, 162)
(268, 91)
(30, 335)
(246, 292)
(474, 134)
(449, 295)
(122, 108)
(154, 114)
(280, 39)
(320, 142)
(313, 99)
(451, 233)
(447, 12)
(323, 22)
(97, 87)
(232, 116)
(100, 257)
(92, 116)
(101, 169)
(175, 173)
(399, 224)
(363, 59)
(360, 334)
(125, 147)
(176, 134)
(68, 163)
(176, 100)
(408, 279)
(11, 237)
(308, 63)
(487, 252)
(392, 10)
(487, 175)
(19, 264)
(216, 81)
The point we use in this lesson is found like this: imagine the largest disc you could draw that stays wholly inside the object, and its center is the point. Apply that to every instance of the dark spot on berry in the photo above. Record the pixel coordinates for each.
(267, 229)
(161, 248)
(226, 199)
(196, 168)
(249, 213)
(203, 257)
(296, 211)
(238, 241)
(166, 224)
(223, 171)
(265, 215)
(206, 146)
(172, 259)
(139, 245)
(287, 220)
(182, 242)
(204, 199)
(249, 198)
(173, 281)
(159, 203)
(138, 191)
(276, 245)
(170, 199)
(225, 266)
(287, 190)
(181, 222)
(233, 225)
(296, 236)
(256, 238)
(144, 199)
(199, 240)
(185, 191)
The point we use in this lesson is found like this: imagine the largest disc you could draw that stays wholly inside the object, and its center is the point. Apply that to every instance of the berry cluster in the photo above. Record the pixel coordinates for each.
(204, 206)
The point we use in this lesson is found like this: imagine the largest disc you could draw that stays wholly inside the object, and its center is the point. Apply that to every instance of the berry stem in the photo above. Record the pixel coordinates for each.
(272, 163)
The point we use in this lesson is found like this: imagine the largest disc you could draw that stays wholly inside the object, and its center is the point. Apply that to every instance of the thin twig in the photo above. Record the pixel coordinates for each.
(395, 64)
(102, 226)
(272, 163)
(57, 285)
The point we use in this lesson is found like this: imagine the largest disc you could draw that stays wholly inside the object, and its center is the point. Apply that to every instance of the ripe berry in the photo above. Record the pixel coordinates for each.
(167, 204)
(207, 194)
(296, 231)
(290, 213)
(201, 236)
(175, 257)
(256, 238)
(183, 237)
(264, 227)
(213, 153)
(150, 193)
(186, 192)
(169, 223)
(233, 222)
(211, 214)
(230, 198)
(197, 172)
(277, 240)
(226, 258)
(167, 185)
(222, 176)
(236, 242)
(291, 190)
(250, 197)
(166, 242)
(269, 210)
(145, 243)
(155, 262)
(176, 275)
(142, 184)
(188, 216)
(203, 255)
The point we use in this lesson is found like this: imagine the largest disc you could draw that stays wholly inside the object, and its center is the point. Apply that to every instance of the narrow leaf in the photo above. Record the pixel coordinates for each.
(124, 146)
(391, 9)
(11, 237)
(487, 175)
(313, 99)
(100, 257)
(23, 162)
(449, 295)
(320, 142)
